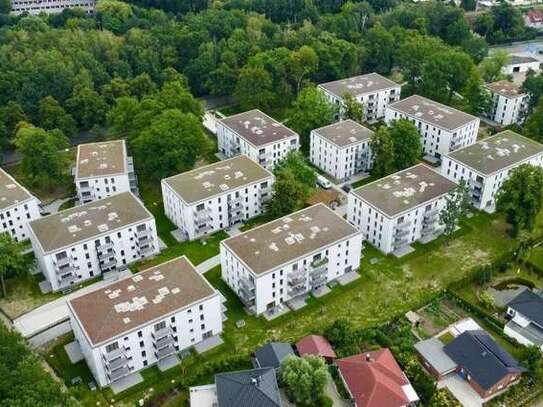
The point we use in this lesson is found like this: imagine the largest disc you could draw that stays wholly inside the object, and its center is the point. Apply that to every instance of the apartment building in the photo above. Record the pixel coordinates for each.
(442, 128)
(509, 103)
(217, 196)
(289, 257)
(80, 243)
(256, 135)
(488, 163)
(521, 64)
(17, 207)
(145, 319)
(103, 169)
(372, 90)
(341, 149)
(399, 209)
(34, 7)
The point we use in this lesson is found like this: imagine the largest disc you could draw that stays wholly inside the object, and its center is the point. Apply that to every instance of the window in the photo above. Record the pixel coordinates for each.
(160, 325)
(111, 347)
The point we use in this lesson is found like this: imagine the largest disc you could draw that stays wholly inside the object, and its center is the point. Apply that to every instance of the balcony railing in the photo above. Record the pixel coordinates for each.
(113, 355)
(65, 270)
(237, 217)
(67, 279)
(165, 341)
(108, 264)
(319, 262)
(117, 374)
(204, 228)
(143, 233)
(145, 250)
(161, 353)
(105, 246)
(161, 333)
(404, 224)
(63, 261)
(117, 363)
(401, 232)
(106, 256)
(294, 291)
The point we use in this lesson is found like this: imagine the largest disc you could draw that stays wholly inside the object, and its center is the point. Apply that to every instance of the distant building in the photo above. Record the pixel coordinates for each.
(442, 128)
(141, 320)
(288, 257)
(534, 19)
(341, 149)
(526, 313)
(103, 169)
(216, 196)
(18, 207)
(509, 103)
(34, 7)
(487, 164)
(80, 243)
(521, 64)
(256, 135)
(372, 90)
(399, 209)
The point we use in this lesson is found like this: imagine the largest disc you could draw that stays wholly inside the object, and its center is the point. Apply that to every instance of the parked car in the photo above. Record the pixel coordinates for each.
(323, 182)
(347, 187)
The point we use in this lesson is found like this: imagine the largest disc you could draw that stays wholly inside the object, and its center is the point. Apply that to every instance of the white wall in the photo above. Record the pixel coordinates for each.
(14, 219)
(101, 187)
(45, 6)
(506, 111)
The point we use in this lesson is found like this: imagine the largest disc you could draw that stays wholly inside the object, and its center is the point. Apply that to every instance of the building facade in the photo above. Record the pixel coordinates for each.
(103, 169)
(488, 163)
(18, 207)
(138, 321)
(341, 149)
(399, 209)
(256, 135)
(521, 64)
(217, 196)
(34, 7)
(80, 243)
(509, 103)
(283, 259)
(442, 128)
(526, 318)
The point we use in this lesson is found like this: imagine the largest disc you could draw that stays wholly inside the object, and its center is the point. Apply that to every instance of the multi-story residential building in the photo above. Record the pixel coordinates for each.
(509, 103)
(521, 64)
(399, 209)
(373, 91)
(103, 169)
(442, 128)
(256, 135)
(34, 7)
(217, 196)
(17, 207)
(488, 163)
(83, 242)
(289, 257)
(341, 149)
(144, 319)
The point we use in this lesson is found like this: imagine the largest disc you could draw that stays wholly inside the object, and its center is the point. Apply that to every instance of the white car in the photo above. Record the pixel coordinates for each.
(323, 182)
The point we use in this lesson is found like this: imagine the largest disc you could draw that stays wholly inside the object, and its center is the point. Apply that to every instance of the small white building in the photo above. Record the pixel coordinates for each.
(341, 149)
(80, 243)
(145, 319)
(374, 91)
(521, 64)
(509, 103)
(256, 135)
(399, 209)
(103, 169)
(217, 196)
(34, 7)
(488, 163)
(289, 257)
(17, 207)
(442, 128)
(526, 318)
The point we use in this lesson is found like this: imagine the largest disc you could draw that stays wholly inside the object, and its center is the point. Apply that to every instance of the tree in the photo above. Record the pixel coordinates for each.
(302, 63)
(352, 109)
(491, 67)
(295, 162)
(12, 262)
(382, 151)
(254, 89)
(304, 378)
(457, 204)
(288, 194)
(380, 47)
(520, 197)
(477, 97)
(532, 359)
(10, 115)
(87, 107)
(53, 116)
(533, 85)
(534, 125)
(487, 301)
(406, 141)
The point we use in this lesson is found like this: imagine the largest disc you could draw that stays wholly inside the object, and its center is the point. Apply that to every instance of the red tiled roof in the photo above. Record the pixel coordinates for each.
(535, 16)
(374, 379)
(315, 345)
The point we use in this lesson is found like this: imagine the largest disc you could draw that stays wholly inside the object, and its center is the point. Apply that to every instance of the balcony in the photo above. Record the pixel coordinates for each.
(146, 241)
(106, 256)
(235, 200)
(318, 280)
(294, 281)
(293, 292)
(161, 353)
(399, 242)
(117, 363)
(105, 246)
(63, 261)
(67, 279)
(203, 228)
(65, 270)
(114, 354)
(404, 224)
(429, 228)
(474, 183)
(161, 333)
(431, 215)
(108, 264)
(401, 232)
(247, 289)
(319, 262)
(165, 341)
(117, 374)
(146, 250)
(237, 217)
(143, 233)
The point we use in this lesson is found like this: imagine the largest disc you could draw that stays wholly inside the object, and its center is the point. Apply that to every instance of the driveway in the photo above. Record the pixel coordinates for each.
(461, 390)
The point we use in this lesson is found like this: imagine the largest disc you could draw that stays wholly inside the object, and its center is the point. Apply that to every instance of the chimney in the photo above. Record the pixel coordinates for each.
(254, 381)
(368, 357)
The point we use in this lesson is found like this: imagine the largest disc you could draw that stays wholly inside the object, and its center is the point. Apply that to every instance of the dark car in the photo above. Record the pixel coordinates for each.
(347, 188)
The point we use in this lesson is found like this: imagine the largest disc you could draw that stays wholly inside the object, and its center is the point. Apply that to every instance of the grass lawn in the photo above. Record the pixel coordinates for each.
(67, 204)
(446, 338)
(363, 182)
(256, 221)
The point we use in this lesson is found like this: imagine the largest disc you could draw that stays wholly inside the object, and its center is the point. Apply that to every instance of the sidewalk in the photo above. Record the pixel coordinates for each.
(209, 264)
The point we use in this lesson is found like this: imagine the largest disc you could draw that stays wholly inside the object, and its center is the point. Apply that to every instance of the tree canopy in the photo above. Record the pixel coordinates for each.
(304, 378)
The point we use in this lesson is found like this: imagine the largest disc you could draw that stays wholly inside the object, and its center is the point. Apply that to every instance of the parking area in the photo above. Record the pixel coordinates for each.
(461, 389)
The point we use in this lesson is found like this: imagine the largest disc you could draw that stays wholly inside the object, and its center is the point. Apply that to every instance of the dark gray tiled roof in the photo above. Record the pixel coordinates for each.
(530, 305)
(249, 388)
(273, 353)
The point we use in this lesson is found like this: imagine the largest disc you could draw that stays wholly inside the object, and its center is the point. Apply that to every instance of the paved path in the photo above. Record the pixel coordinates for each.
(209, 264)
(53, 207)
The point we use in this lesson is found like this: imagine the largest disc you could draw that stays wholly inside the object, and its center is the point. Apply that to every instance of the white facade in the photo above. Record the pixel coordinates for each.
(523, 327)
(509, 104)
(35, 7)
(521, 64)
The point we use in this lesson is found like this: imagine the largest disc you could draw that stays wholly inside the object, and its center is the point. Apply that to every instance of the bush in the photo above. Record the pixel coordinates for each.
(325, 401)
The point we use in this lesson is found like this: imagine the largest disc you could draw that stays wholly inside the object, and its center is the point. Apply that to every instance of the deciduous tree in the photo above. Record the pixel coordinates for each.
(352, 108)
(304, 378)
(53, 116)
(12, 261)
(457, 204)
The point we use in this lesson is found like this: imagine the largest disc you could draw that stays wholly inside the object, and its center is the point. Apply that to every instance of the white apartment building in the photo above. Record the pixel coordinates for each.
(34, 7)
(217, 196)
(145, 319)
(83, 242)
(341, 149)
(488, 163)
(374, 91)
(256, 135)
(289, 257)
(442, 128)
(509, 103)
(17, 207)
(521, 64)
(103, 169)
(399, 209)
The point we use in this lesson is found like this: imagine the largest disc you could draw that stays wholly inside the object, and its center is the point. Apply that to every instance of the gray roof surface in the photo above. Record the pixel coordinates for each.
(497, 152)
(532, 332)
(485, 360)
(101, 159)
(432, 112)
(11, 192)
(359, 85)
(290, 237)
(86, 221)
(257, 127)
(530, 305)
(131, 302)
(432, 350)
(404, 189)
(273, 353)
(217, 178)
(505, 88)
(519, 59)
(344, 133)
(249, 388)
